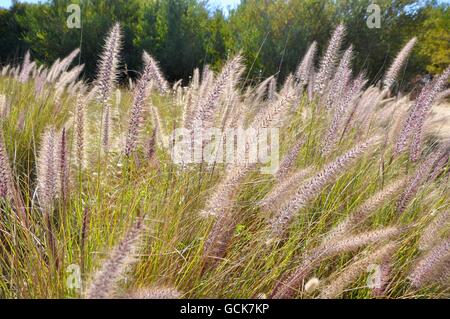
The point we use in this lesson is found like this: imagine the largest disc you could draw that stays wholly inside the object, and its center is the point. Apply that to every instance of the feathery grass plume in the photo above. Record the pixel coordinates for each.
(6, 178)
(263, 89)
(46, 170)
(287, 288)
(79, 131)
(66, 82)
(288, 85)
(430, 234)
(339, 121)
(443, 274)
(288, 161)
(191, 100)
(284, 190)
(353, 242)
(176, 86)
(61, 66)
(68, 78)
(429, 96)
(206, 110)
(135, 119)
(108, 64)
(219, 238)
(240, 113)
(93, 92)
(222, 197)
(104, 281)
(331, 137)
(130, 84)
(35, 70)
(162, 138)
(367, 209)
(303, 72)
(220, 205)
(328, 61)
(2, 105)
(5, 69)
(340, 79)
(310, 87)
(276, 110)
(195, 83)
(67, 61)
(440, 166)
(207, 74)
(155, 73)
(414, 123)
(443, 95)
(118, 101)
(207, 84)
(233, 112)
(426, 270)
(11, 71)
(407, 129)
(207, 79)
(14, 72)
(363, 108)
(107, 78)
(313, 186)
(62, 166)
(398, 119)
(228, 100)
(51, 72)
(151, 146)
(26, 68)
(155, 293)
(187, 107)
(399, 61)
(417, 180)
(74, 87)
(39, 82)
(38, 70)
(354, 270)
(271, 89)
(106, 129)
(312, 284)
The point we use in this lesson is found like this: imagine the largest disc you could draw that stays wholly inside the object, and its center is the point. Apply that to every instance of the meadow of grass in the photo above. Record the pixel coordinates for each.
(87, 182)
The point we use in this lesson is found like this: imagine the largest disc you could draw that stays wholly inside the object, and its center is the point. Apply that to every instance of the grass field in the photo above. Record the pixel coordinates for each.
(92, 204)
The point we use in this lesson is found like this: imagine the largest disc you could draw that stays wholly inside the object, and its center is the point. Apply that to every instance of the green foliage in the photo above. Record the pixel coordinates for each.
(13, 45)
(435, 38)
(178, 34)
(273, 35)
(113, 191)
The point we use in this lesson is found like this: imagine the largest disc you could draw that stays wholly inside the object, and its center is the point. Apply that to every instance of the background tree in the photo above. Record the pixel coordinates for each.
(273, 35)
(434, 38)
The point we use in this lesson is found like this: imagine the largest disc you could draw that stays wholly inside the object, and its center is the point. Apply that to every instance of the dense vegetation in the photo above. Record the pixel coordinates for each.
(184, 34)
(90, 192)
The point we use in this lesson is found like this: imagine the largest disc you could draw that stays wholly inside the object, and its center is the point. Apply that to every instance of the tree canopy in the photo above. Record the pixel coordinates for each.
(271, 34)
